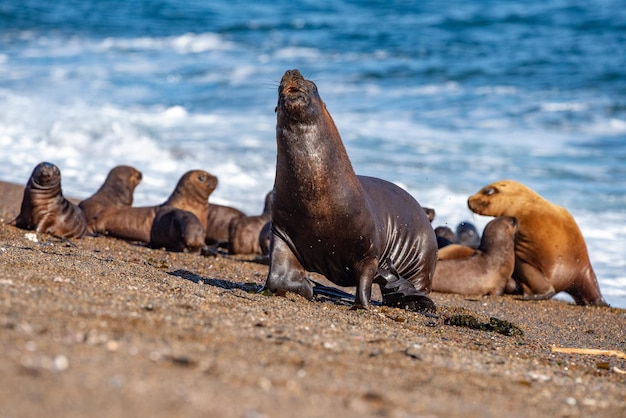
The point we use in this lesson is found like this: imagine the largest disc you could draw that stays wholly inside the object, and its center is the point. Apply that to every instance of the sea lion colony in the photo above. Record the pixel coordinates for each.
(355, 230)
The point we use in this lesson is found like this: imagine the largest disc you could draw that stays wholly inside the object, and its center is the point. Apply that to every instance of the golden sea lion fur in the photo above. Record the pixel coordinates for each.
(550, 251)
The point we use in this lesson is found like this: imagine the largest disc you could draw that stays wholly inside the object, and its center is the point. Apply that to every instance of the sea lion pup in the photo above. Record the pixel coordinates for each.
(129, 223)
(488, 270)
(265, 238)
(44, 208)
(455, 251)
(354, 230)
(430, 213)
(550, 251)
(192, 194)
(117, 190)
(467, 234)
(244, 233)
(461, 244)
(445, 236)
(176, 230)
(135, 223)
(218, 223)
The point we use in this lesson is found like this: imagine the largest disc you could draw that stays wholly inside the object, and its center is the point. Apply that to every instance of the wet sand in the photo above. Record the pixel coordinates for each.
(103, 327)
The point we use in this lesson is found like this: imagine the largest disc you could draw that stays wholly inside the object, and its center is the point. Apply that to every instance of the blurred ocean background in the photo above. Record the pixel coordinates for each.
(439, 97)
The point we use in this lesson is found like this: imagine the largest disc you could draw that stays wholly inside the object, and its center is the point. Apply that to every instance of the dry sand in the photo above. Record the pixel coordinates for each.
(103, 327)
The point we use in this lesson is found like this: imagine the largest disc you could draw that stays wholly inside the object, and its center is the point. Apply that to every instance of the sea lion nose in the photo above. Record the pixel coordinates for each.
(46, 168)
(292, 75)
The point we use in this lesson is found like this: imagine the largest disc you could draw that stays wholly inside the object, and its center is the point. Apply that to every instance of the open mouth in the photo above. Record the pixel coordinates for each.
(292, 96)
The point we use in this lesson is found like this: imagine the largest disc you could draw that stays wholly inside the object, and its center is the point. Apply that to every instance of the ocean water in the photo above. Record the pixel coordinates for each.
(441, 98)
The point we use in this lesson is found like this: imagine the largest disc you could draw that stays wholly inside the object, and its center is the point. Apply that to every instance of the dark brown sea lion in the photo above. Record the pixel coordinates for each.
(488, 270)
(117, 190)
(176, 230)
(45, 210)
(467, 234)
(265, 238)
(430, 213)
(218, 222)
(550, 251)
(445, 236)
(135, 223)
(354, 230)
(243, 233)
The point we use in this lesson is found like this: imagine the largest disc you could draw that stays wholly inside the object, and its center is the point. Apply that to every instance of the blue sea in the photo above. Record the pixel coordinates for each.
(441, 98)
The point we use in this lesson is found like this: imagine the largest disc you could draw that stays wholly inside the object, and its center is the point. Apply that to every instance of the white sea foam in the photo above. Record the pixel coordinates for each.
(609, 127)
(564, 107)
(291, 53)
(189, 43)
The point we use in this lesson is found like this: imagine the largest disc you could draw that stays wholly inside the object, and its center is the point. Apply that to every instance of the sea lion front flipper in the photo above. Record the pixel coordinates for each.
(400, 292)
(286, 274)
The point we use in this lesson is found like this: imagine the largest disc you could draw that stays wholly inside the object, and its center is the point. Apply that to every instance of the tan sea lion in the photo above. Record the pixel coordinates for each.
(455, 251)
(135, 223)
(550, 251)
(45, 210)
(355, 230)
(176, 230)
(488, 270)
(244, 233)
(117, 190)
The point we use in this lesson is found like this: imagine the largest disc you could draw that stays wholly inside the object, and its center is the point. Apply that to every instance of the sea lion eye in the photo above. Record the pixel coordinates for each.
(202, 178)
(488, 191)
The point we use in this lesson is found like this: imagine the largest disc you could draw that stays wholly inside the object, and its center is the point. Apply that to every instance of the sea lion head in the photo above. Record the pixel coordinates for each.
(500, 229)
(122, 182)
(134, 177)
(467, 234)
(197, 183)
(298, 99)
(501, 198)
(46, 175)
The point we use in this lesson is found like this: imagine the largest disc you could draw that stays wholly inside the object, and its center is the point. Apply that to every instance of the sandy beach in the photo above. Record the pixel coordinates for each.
(103, 327)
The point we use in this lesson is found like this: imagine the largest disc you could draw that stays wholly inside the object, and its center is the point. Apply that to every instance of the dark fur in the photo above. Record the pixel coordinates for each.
(45, 210)
(117, 190)
(176, 230)
(354, 230)
(219, 218)
(244, 233)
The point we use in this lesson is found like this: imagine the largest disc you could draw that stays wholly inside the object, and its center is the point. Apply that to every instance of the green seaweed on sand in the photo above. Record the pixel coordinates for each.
(494, 325)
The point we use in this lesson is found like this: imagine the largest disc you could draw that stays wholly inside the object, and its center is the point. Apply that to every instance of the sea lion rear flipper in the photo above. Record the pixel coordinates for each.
(320, 289)
(400, 292)
(543, 296)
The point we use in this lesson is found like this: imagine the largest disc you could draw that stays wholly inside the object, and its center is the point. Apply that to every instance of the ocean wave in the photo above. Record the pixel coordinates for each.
(188, 43)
